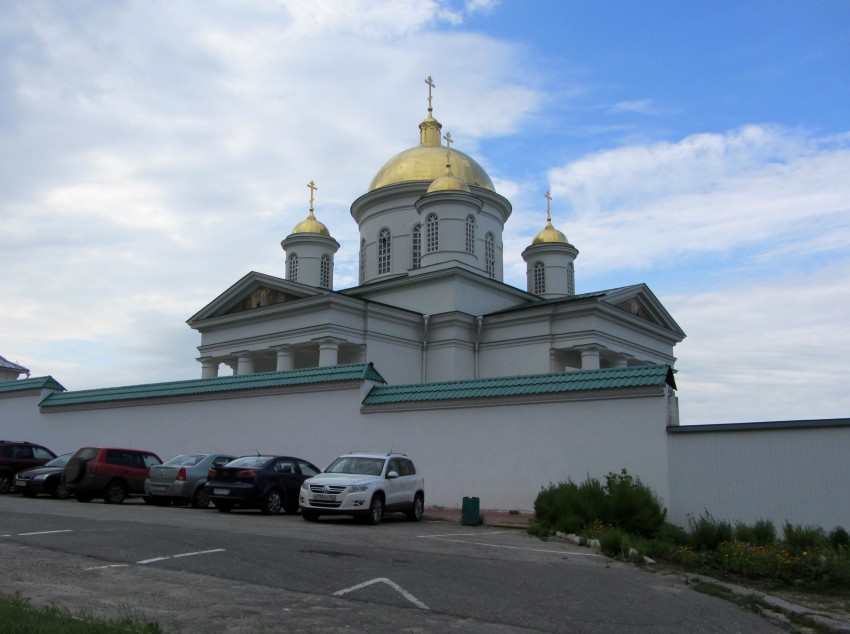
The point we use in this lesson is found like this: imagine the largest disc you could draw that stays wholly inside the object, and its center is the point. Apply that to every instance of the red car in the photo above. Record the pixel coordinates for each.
(108, 472)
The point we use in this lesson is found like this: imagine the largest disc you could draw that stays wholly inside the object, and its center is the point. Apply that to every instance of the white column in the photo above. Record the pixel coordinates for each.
(621, 360)
(209, 367)
(244, 362)
(285, 360)
(328, 352)
(589, 358)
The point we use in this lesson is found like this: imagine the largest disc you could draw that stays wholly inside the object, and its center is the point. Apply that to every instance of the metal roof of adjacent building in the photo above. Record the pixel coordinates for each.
(34, 383)
(580, 380)
(242, 382)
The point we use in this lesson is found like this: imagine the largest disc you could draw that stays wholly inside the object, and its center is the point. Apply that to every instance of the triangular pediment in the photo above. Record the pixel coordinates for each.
(254, 292)
(642, 303)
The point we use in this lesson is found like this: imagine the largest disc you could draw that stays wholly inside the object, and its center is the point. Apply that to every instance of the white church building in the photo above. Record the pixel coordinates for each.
(495, 391)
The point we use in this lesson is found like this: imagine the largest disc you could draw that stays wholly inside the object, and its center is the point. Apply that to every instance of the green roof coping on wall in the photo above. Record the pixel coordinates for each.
(259, 380)
(580, 380)
(34, 383)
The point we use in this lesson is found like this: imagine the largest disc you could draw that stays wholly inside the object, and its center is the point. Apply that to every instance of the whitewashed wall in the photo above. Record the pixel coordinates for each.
(502, 453)
(786, 471)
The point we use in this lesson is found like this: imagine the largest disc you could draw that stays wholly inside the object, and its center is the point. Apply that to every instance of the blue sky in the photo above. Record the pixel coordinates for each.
(154, 153)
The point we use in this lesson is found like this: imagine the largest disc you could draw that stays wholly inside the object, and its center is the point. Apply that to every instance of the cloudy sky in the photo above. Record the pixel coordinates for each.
(152, 153)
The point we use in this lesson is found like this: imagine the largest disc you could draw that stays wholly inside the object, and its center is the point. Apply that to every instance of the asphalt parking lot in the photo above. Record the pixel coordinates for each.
(200, 570)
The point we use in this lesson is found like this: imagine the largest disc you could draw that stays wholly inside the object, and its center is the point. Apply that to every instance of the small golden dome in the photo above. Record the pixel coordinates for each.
(448, 182)
(550, 235)
(311, 225)
(427, 161)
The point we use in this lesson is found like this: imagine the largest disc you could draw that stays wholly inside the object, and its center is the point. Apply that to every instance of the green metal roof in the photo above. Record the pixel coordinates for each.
(34, 383)
(581, 380)
(260, 380)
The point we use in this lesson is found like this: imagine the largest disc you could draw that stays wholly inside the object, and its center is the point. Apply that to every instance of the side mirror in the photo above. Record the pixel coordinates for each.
(392, 475)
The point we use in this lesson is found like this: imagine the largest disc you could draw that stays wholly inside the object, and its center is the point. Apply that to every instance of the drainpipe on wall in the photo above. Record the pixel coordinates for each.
(480, 320)
(424, 346)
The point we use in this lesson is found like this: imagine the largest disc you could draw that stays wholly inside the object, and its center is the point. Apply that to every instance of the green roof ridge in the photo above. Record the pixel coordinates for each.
(257, 380)
(33, 383)
(580, 380)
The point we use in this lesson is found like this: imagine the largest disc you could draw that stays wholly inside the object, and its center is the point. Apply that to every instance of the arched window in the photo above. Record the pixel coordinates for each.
(539, 278)
(325, 273)
(470, 234)
(432, 233)
(416, 245)
(490, 254)
(571, 279)
(292, 267)
(363, 260)
(384, 245)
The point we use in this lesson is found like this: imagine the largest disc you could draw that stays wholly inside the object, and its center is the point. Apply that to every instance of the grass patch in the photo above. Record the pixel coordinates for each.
(19, 616)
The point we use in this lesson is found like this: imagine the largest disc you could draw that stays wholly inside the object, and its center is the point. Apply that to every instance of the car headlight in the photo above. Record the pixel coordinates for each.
(358, 488)
(305, 486)
(41, 476)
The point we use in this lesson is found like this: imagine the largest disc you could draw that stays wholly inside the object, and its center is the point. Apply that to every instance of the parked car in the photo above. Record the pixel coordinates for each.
(44, 479)
(19, 455)
(108, 472)
(268, 483)
(181, 479)
(365, 486)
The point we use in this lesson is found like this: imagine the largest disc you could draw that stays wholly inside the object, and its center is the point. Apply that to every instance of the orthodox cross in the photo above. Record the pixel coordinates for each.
(548, 208)
(448, 137)
(313, 188)
(431, 85)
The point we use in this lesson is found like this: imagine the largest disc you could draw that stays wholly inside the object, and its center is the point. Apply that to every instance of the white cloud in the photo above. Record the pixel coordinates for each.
(640, 106)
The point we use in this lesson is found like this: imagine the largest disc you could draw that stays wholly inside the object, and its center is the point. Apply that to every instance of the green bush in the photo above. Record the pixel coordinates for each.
(800, 539)
(708, 533)
(839, 538)
(761, 533)
(632, 506)
(569, 507)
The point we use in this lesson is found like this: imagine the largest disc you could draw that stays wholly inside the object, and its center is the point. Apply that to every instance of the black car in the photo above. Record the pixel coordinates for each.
(268, 483)
(44, 479)
(16, 456)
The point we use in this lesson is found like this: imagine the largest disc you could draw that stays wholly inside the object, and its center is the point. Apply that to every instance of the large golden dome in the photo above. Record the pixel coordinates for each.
(427, 162)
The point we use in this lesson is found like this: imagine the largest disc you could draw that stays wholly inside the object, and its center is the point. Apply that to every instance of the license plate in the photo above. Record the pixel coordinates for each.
(323, 496)
(21, 483)
(159, 487)
(221, 491)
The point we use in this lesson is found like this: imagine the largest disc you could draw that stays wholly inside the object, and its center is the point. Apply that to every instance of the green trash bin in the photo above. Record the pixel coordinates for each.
(469, 514)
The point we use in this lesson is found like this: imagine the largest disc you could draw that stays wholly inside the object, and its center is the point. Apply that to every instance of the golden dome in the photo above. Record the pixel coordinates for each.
(448, 182)
(550, 235)
(427, 162)
(311, 225)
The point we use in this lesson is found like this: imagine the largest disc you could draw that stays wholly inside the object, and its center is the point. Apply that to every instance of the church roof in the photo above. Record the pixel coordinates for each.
(237, 383)
(34, 383)
(580, 380)
(8, 365)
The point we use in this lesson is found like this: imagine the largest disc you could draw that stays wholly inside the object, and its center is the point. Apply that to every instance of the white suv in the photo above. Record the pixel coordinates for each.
(365, 485)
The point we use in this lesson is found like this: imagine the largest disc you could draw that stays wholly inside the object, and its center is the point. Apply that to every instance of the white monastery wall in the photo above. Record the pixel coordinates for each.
(777, 471)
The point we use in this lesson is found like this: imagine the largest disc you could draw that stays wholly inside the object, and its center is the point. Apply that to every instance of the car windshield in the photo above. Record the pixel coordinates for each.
(257, 462)
(59, 461)
(357, 465)
(186, 459)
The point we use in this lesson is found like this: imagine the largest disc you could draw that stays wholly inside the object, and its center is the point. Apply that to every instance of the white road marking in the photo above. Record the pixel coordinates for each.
(445, 538)
(38, 533)
(391, 584)
(155, 559)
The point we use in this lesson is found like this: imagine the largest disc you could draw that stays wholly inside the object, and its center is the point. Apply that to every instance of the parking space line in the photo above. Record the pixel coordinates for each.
(445, 538)
(391, 584)
(37, 533)
(144, 562)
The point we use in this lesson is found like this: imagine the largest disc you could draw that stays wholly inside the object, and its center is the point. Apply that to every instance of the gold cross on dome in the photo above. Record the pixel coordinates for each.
(548, 207)
(431, 85)
(313, 188)
(448, 137)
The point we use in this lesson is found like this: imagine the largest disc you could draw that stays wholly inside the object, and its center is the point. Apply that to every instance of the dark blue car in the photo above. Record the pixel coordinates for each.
(268, 483)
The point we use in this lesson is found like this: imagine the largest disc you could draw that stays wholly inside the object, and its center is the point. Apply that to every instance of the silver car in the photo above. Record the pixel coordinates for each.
(181, 479)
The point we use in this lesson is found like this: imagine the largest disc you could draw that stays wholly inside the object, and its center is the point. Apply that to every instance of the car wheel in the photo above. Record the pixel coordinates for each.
(271, 503)
(200, 500)
(415, 514)
(60, 492)
(115, 492)
(224, 507)
(5, 482)
(83, 496)
(376, 510)
(75, 469)
(310, 516)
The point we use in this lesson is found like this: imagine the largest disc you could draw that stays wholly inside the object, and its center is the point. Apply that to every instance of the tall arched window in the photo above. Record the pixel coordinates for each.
(416, 245)
(363, 260)
(571, 279)
(432, 233)
(292, 267)
(384, 245)
(490, 254)
(325, 273)
(539, 278)
(470, 234)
